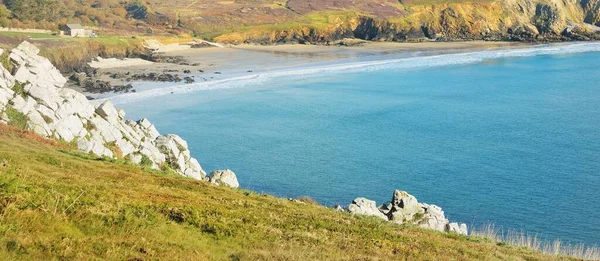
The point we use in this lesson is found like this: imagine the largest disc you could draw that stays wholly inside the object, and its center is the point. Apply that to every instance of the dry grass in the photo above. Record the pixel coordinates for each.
(65, 205)
(532, 241)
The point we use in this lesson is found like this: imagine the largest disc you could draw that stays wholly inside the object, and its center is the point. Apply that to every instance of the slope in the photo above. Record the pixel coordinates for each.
(59, 204)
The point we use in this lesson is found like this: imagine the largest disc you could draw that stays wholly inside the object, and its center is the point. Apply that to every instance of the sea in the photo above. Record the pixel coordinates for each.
(508, 136)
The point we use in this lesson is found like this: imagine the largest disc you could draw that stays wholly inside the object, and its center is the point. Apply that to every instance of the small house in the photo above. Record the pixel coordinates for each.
(75, 30)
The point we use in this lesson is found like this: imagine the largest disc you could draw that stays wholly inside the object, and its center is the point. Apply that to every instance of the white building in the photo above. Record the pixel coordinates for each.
(75, 30)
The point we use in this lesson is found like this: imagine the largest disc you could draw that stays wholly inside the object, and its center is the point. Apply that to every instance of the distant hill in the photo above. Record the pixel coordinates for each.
(319, 21)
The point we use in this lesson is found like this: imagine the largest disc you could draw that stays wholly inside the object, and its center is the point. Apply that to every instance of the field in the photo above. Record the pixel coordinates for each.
(59, 204)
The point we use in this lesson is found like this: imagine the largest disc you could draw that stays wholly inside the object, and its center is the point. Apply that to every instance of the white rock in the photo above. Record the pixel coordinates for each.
(84, 145)
(125, 147)
(23, 105)
(33, 68)
(107, 111)
(457, 228)
(121, 113)
(363, 206)
(5, 96)
(38, 124)
(7, 81)
(224, 177)
(47, 113)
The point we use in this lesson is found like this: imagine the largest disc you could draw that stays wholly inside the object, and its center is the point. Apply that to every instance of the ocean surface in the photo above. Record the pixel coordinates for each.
(510, 137)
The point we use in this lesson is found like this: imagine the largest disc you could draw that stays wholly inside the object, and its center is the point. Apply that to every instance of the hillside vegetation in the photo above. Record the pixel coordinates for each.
(319, 21)
(59, 204)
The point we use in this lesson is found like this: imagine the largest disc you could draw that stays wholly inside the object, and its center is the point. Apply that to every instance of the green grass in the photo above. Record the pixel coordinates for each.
(31, 35)
(17, 118)
(65, 205)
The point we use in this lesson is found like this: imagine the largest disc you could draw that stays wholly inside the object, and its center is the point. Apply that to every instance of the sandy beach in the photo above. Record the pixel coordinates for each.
(215, 63)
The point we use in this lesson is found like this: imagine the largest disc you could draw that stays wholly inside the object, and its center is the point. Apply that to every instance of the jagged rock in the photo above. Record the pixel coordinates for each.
(33, 68)
(224, 177)
(339, 208)
(457, 228)
(38, 124)
(45, 95)
(433, 218)
(405, 209)
(7, 81)
(23, 105)
(97, 128)
(363, 206)
(107, 111)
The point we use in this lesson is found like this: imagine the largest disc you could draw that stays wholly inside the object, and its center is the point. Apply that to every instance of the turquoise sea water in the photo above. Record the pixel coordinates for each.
(489, 137)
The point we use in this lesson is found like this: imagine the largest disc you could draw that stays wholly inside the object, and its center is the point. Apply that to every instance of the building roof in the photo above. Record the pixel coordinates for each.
(75, 26)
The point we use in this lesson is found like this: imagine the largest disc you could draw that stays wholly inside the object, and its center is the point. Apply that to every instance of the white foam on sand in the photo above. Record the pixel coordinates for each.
(353, 67)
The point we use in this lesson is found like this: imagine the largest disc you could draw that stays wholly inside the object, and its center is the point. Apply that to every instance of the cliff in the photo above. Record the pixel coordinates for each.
(507, 20)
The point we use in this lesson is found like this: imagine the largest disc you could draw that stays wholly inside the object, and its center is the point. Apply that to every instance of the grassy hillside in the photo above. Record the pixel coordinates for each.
(60, 204)
(273, 21)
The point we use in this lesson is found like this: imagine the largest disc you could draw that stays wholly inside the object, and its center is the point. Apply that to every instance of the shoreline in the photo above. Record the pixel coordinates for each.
(247, 65)
(221, 63)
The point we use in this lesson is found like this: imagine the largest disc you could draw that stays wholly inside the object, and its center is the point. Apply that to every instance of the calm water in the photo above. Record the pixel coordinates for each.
(513, 140)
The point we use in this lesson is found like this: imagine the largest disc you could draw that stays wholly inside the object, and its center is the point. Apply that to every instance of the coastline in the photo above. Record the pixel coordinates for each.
(237, 66)
(221, 63)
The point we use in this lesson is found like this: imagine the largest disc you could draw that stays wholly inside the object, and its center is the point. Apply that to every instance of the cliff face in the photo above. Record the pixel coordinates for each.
(510, 20)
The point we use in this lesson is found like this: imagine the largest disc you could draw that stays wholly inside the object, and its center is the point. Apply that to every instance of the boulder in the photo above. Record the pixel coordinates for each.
(107, 111)
(457, 228)
(33, 68)
(224, 177)
(363, 206)
(403, 207)
(7, 81)
(433, 218)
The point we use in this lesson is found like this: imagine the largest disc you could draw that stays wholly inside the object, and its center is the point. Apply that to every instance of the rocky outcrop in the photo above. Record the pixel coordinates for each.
(405, 209)
(509, 20)
(224, 177)
(363, 206)
(35, 97)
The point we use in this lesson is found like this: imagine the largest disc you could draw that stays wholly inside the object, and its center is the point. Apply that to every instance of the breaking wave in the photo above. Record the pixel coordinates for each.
(364, 66)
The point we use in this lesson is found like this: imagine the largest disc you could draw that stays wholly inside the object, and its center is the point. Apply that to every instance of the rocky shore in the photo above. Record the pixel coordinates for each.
(32, 97)
(405, 209)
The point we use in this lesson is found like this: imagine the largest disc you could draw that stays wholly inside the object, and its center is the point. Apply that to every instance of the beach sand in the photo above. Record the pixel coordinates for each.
(217, 63)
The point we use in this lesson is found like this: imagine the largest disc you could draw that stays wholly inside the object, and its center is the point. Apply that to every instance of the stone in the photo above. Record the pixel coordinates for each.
(7, 81)
(125, 147)
(33, 68)
(460, 229)
(47, 96)
(24, 105)
(38, 124)
(66, 114)
(363, 206)
(433, 218)
(403, 207)
(106, 110)
(5, 96)
(121, 113)
(224, 177)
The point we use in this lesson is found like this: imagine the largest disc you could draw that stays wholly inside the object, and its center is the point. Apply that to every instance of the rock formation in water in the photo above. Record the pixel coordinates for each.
(405, 209)
(33, 96)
